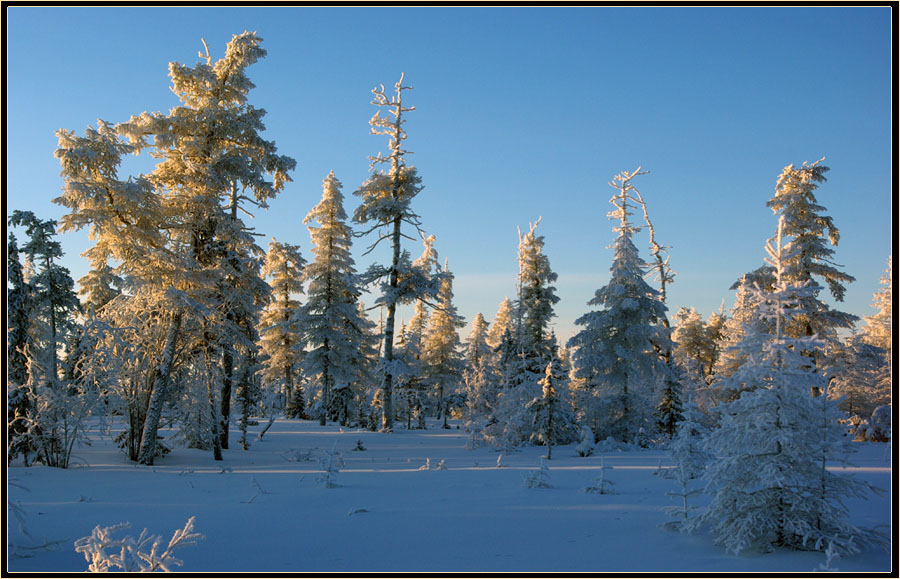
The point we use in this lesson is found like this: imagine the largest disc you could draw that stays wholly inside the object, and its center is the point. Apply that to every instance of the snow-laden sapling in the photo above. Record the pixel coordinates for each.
(331, 465)
(427, 465)
(540, 478)
(690, 459)
(359, 446)
(105, 553)
(601, 485)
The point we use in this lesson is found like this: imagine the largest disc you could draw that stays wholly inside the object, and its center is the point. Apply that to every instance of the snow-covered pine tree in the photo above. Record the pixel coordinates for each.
(772, 487)
(170, 230)
(386, 197)
(878, 330)
(126, 219)
(693, 344)
(554, 423)
(441, 357)
(616, 354)
(502, 321)
(334, 327)
(411, 379)
(53, 299)
(242, 293)
(526, 346)
(808, 234)
(54, 405)
(478, 352)
(860, 378)
(18, 321)
(810, 257)
(480, 375)
(280, 333)
(18, 314)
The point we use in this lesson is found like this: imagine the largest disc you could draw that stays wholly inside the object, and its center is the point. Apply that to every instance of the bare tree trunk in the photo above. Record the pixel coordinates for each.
(387, 419)
(326, 387)
(158, 396)
(216, 440)
(225, 400)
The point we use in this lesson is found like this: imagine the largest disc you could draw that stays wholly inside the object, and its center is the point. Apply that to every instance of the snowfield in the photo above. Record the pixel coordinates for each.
(267, 510)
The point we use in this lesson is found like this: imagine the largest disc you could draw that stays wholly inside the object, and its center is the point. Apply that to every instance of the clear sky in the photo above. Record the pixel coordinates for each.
(521, 113)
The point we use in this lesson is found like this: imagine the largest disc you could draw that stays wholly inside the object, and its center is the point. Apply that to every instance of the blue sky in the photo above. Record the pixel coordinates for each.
(521, 113)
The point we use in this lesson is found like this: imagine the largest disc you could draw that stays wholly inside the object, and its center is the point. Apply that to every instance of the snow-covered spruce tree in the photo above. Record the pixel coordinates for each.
(411, 367)
(689, 458)
(242, 293)
(280, 333)
(693, 343)
(175, 221)
(860, 378)
(696, 352)
(213, 152)
(441, 357)
(334, 329)
(526, 347)
(53, 299)
(553, 420)
(51, 407)
(385, 206)
(501, 322)
(878, 330)
(480, 377)
(18, 321)
(808, 233)
(126, 219)
(616, 354)
(771, 485)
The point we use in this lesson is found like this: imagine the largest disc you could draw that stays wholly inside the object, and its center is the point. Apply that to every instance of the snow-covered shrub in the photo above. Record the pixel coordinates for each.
(538, 479)
(586, 446)
(880, 425)
(129, 555)
(58, 416)
(331, 465)
(601, 485)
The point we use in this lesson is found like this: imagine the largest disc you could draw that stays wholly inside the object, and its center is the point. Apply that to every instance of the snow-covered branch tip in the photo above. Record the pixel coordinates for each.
(130, 555)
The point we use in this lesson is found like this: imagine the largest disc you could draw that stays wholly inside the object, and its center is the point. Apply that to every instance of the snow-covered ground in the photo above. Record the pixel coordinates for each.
(266, 509)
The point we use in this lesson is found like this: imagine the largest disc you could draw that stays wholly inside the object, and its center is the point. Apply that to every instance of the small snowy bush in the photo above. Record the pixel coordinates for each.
(586, 446)
(129, 555)
(601, 485)
(331, 464)
(539, 479)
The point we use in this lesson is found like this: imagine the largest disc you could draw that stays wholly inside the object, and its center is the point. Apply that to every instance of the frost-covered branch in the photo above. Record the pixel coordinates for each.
(105, 553)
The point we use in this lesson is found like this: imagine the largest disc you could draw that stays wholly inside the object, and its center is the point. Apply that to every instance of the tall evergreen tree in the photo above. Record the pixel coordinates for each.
(526, 347)
(616, 354)
(386, 197)
(18, 315)
(335, 329)
(54, 302)
(170, 230)
(441, 347)
(18, 321)
(480, 375)
(772, 485)
(280, 333)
